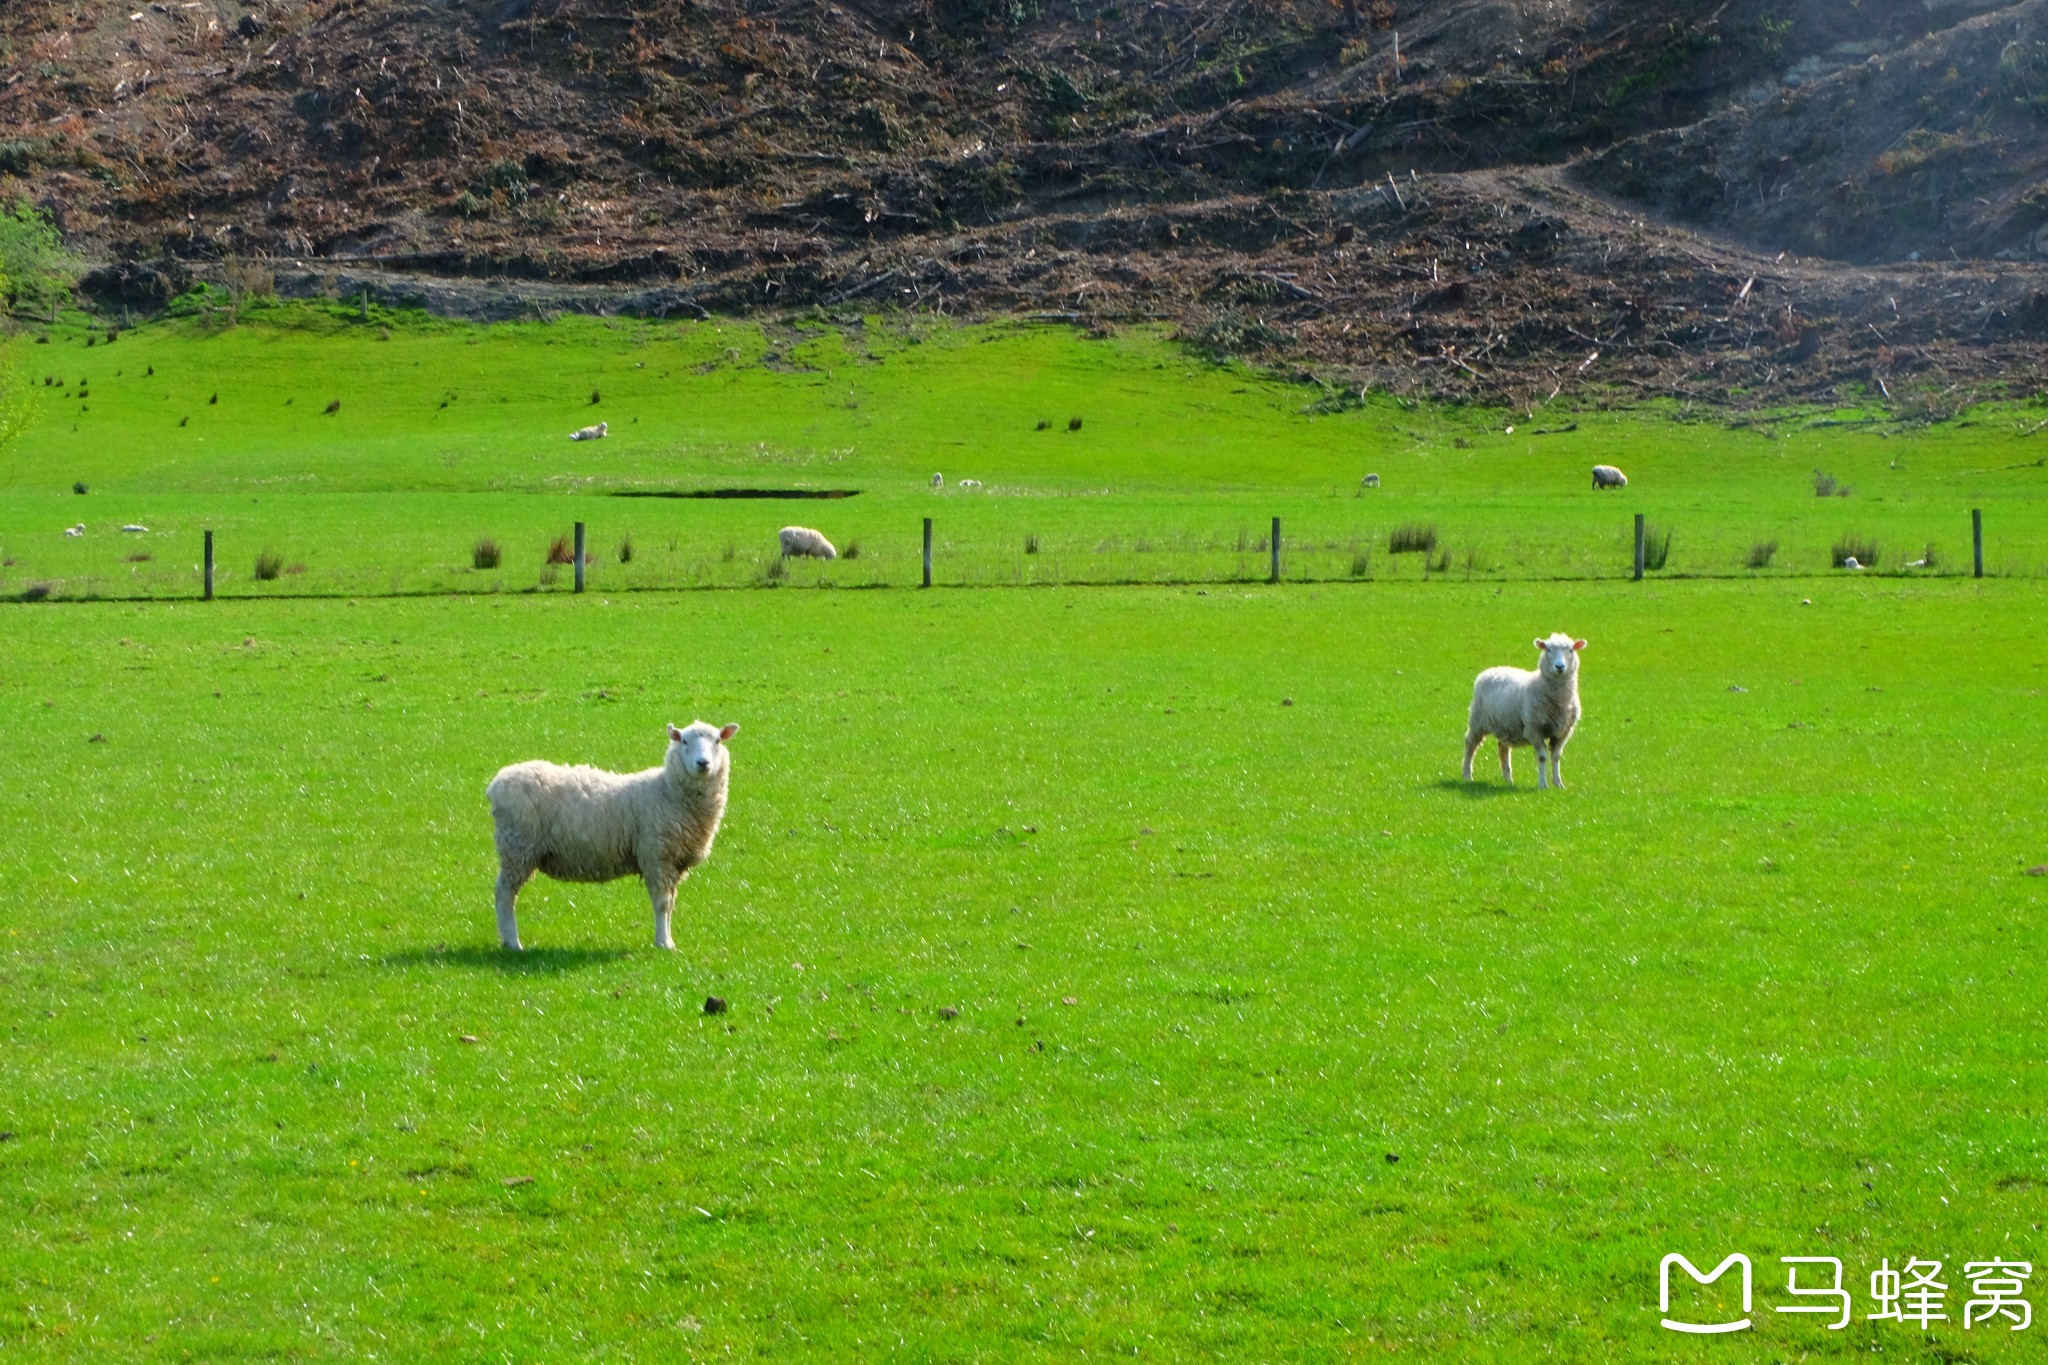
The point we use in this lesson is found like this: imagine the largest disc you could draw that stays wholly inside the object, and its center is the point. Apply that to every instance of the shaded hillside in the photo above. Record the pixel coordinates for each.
(1321, 178)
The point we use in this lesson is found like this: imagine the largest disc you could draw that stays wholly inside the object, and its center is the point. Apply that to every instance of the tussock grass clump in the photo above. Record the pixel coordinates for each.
(852, 550)
(561, 551)
(626, 550)
(1361, 564)
(1826, 485)
(729, 554)
(777, 570)
(1656, 546)
(1031, 543)
(1862, 548)
(485, 554)
(269, 564)
(1413, 538)
(1761, 553)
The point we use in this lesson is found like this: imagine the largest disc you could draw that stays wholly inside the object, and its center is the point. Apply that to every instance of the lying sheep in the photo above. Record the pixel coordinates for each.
(1849, 562)
(583, 824)
(1370, 481)
(1607, 476)
(1516, 706)
(596, 433)
(970, 483)
(77, 530)
(136, 529)
(803, 542)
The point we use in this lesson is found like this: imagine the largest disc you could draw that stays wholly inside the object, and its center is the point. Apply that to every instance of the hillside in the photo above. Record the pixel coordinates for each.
(1465, 196)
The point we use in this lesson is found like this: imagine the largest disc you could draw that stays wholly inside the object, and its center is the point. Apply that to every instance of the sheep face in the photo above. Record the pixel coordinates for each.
(1560, 656)
(699, 751)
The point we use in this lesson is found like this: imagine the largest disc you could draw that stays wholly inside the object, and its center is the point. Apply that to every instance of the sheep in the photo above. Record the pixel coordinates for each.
(1517, 706)
(74, 531)
(1370, 481)
(136, 529)
(1607, 476)
(938, 480)
(582, 824)
(803, 542)
(1849, 562)
(596, 433)
(970, 483)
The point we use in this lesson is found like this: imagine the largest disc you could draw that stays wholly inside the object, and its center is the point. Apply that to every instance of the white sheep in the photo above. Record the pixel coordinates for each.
(1849, 562)
(1517, 706)
(136, 529)
(77, 530)
(1370, 481)
(582, 824)
(970, 483)
(596, 433)
(938, 480)
(803, 542)
(1607, 476)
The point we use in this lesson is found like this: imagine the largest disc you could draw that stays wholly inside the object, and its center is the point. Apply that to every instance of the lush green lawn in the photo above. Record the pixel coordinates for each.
(447, 433)
(1767, 977)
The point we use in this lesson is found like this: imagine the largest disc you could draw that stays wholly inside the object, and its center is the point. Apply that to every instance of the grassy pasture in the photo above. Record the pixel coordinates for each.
(447, 433)
(1766, 977)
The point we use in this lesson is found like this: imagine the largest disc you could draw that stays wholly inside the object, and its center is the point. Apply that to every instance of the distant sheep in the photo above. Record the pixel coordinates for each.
(136, 529)
(1607, 476)
(804, 543)
(582, 824)
(1370, 481)
(596, 433)
(1517, 706)
(1849, 562)
(938, 480)
(970, 483)
(77, 530)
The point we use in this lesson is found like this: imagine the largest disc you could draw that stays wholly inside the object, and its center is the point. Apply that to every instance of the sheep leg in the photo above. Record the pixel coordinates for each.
(1507, 763)
(661, 890)
(510, 878)
(1557, 765)
(1473, 739)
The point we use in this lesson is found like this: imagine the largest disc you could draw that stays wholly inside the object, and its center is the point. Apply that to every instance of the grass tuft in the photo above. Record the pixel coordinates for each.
(1656, 545)
(269, 564)
(626, 549)
(561, 550)
(1413, 538)
(485, 554)
(1862, 548)
(1761, 553)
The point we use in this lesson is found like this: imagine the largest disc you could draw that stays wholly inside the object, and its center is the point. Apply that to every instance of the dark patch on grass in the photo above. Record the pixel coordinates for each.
(532, 962)
(737, 493)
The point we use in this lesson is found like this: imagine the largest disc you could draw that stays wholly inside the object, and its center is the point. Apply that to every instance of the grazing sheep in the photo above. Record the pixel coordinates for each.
(938, 480)
(77, 530)
(1370, 481)
(584, 824)
(134, 528)
(1607, 476)
(1516, 706)
(596, 433)
(803, 542)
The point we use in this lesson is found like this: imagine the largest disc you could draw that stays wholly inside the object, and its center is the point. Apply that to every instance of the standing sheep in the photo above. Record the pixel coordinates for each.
(938, 480)
(582, 824)
(1370, 481)
(1607, 476)
(1516, 706)
(804, 542)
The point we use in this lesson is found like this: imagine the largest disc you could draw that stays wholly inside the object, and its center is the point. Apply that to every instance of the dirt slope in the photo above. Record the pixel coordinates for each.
(1458, 195)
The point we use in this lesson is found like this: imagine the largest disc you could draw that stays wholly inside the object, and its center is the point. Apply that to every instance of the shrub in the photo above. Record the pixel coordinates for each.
(560, 551)
(1073, 424)
(1656, 546)
(852, 550)
(1761, 554)
(485, 554)
(1031, 544)
(1864, 551)
(626, 550)
(269, 564)
(1412, 538)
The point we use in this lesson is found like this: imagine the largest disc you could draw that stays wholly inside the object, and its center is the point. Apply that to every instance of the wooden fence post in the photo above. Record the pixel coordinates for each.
(927, 552)
(209, 566)
(1276, 551)
(1639, 547)
(579, 556)
(1977, 538)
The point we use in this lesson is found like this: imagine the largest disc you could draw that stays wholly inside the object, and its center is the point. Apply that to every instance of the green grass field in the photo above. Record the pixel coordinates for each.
(1274, 1040)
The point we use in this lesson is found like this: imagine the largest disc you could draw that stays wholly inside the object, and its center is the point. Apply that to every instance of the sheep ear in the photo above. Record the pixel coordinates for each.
(1543, 644)
(727, 733)
(675, 736)
(1578, 644)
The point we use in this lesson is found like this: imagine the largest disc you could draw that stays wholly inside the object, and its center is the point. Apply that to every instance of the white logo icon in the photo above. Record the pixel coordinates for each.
(1702, 1328)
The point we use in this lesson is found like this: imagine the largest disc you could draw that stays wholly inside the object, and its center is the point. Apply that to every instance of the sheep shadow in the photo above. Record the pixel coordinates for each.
(1480, 789)
(532, 962)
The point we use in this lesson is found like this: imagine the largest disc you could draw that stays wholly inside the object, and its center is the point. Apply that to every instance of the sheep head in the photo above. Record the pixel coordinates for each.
(1560, 656)
(698, 751)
